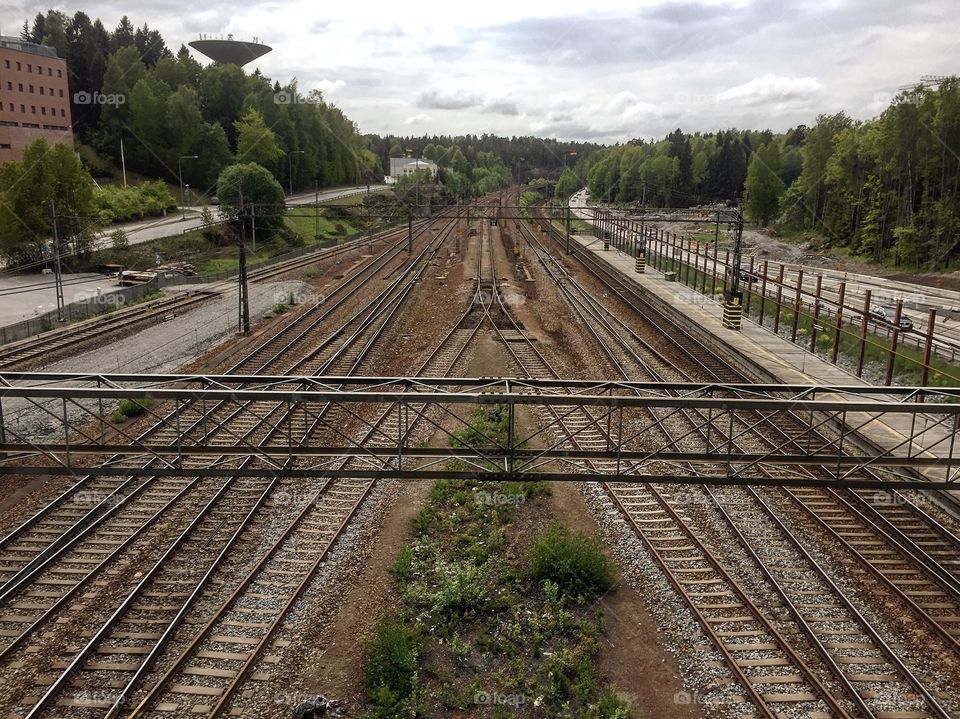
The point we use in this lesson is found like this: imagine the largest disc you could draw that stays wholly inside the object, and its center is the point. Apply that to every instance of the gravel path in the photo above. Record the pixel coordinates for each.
(158, 349)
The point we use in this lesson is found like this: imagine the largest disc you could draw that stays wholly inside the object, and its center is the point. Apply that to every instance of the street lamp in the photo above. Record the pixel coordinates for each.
(290, 166)
(183, 210)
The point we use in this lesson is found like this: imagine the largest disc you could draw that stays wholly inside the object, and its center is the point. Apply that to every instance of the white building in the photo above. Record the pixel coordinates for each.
(400, 166)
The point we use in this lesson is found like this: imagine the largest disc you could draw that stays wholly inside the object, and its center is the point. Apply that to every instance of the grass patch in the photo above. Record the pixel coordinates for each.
(391, 673)
(575, 563)
(477, 631)
(130, 408)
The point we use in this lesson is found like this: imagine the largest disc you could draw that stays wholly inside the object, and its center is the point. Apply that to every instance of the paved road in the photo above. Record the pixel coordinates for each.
(173, 224)
(21, 295)
(917, 299)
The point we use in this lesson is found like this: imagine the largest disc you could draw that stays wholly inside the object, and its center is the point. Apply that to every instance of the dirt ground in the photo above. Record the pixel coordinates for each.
(633, 657)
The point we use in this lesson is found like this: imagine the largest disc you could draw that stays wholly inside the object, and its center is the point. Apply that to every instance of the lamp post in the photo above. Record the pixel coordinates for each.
(290, 166)
(183, 210)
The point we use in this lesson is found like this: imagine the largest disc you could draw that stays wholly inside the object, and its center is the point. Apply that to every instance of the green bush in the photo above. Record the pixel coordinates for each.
(130, 408)
(609, 707)
(576, 563)
(119, 239)
(403, 565)
(391, 675)
(120, 203)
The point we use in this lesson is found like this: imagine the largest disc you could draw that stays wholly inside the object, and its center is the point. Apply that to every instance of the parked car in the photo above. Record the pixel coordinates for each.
(885, 316)
(746, 276)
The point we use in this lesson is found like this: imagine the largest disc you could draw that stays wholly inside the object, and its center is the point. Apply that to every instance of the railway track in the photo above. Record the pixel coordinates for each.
(212, 667)
(62, 518)
(136, 520)
(867, 672)
(16, 355)
(908, 552)
(126, 633)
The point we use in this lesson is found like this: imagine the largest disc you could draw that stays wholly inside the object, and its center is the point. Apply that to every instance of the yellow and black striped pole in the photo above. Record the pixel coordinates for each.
(732, 313)
(640, 264)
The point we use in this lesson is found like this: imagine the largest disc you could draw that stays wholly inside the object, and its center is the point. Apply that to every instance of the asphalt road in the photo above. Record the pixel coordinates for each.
(22, 295)
(173, 224)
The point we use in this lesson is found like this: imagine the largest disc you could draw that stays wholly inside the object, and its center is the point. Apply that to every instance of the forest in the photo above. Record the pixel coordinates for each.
(174, 107)
(885, 189)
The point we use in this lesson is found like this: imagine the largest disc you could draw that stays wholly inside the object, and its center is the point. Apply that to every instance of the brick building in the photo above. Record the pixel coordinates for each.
(34, 97)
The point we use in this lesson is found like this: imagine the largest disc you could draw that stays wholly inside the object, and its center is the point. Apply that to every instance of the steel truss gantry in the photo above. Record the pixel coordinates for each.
(813, 435)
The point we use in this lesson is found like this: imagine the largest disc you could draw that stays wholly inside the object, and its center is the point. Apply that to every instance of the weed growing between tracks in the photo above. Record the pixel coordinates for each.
(496, 616)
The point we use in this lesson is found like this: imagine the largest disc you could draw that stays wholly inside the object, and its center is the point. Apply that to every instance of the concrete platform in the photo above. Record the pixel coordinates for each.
(774, 358)
(20, 295)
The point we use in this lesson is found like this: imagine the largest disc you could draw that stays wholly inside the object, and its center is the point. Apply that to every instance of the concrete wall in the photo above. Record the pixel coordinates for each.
(76, 311)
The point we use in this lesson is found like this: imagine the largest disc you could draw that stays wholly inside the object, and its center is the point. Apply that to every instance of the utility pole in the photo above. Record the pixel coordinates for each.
(316, 211)
(566, 224)
(253, 224)
(410, 235)
(244, 299)
(57, 276)
(733, 307)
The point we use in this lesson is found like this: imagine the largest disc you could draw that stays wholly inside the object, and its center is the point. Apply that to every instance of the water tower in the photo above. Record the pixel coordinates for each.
(233, 52)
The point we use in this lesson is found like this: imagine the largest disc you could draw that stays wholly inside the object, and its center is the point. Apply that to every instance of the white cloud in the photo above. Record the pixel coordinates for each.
(330, 87)
(772, 89)
(609, 70)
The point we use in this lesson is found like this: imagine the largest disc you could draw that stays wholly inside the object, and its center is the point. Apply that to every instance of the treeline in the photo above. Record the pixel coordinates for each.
(524, 157)
(886, 189)
(684, 170)
(164, 106)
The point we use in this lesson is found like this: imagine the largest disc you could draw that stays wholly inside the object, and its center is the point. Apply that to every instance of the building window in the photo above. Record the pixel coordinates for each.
(20, 86)
(4, 145)
(23, 109)
(49, 72)
(59, 73)
(41, 90)
(31, 88)
(39, 70)
(18, 66)
(6, 64)
(10, 86)
(29, 67)
(43, 111)
(61, 93)
(33, 109)
(63, 113)
(11, 107)
(8, 123)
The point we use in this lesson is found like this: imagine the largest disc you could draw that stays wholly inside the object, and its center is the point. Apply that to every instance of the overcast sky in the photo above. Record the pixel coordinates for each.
(603, 70)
